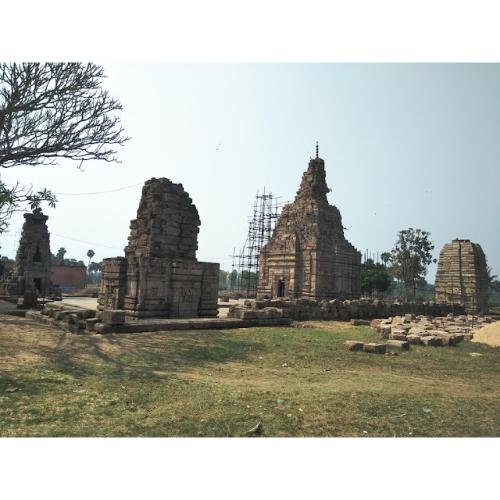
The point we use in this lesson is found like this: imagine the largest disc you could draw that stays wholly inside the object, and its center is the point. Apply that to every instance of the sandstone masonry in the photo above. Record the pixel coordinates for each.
(462, 276)
(31, 274)
(159, 275)
(308, 255)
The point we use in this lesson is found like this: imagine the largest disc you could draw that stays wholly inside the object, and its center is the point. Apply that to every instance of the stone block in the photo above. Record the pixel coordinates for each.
(90, 324)
(384, 330)
(414, 339)
(360, 322)
(248, 314)
(397, 334)
(354, 345)
(397, 345)
(113, 317)
(374, 348)
(431, 340)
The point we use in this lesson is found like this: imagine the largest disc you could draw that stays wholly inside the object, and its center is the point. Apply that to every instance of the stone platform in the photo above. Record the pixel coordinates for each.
(74, 321)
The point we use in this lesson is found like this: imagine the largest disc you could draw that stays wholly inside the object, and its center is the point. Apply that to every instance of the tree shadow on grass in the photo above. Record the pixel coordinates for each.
(142, 355)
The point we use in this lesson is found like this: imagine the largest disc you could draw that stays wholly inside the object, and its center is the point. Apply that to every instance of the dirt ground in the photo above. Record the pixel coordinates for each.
(489, 334)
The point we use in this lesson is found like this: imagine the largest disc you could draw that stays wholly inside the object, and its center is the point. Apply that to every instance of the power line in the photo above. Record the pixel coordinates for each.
(100, 192)
(87, 242)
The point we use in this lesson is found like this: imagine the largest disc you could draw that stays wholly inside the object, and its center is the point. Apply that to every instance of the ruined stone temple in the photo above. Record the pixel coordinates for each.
(31, 273)
(308, 255)
(462, 276)
(159, 275)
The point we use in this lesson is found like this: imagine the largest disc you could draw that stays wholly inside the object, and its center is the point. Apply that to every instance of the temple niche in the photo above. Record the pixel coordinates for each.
(30, 277)
(462, 276)
(159, 275)
(308, 255)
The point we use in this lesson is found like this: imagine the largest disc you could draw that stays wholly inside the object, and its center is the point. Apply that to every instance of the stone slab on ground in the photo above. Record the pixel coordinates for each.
(354, 345)
(397, 345)
(374, 348)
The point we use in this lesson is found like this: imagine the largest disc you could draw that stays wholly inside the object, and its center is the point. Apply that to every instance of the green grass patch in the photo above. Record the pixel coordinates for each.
(294, 381)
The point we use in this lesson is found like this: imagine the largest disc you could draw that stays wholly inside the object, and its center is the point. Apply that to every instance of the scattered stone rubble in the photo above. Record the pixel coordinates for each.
(444, 330)
(400, 332)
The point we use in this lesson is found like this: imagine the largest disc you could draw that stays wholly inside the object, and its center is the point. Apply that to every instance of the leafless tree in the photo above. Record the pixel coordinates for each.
(54, 110)
(51, 111)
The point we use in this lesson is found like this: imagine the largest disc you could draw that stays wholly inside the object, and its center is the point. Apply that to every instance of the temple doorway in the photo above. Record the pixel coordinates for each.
(281, 288)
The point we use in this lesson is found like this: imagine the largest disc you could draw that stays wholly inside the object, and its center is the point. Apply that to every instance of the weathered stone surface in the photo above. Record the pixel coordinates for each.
(414, 339)
(431, 340)
(159, 275)
(30, 277)
(360, 322)
(397, 334)
(308, 255)
(354, 345)
(397, 345)
(375, 348)
(462, 276)
(113, 317)
(384, 330)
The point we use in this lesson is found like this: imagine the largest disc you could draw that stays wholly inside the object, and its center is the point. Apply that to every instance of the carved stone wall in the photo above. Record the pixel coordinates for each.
(31, 273)
(462, 276)
(308, 255)
(160, 276)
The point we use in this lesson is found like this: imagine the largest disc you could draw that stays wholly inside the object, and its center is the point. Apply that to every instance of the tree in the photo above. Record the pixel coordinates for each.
(374, 277)
(223, 279)
(493, 283)
(410, 257)
(52, 111)
(90, 254)
(94, 272)
(233, 279)
(60, 255)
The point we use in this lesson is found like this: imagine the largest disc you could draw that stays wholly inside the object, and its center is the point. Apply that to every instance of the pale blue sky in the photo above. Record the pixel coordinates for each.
(405, 145)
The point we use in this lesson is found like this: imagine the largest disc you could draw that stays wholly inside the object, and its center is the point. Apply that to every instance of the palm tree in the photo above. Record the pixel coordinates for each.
(90, 254)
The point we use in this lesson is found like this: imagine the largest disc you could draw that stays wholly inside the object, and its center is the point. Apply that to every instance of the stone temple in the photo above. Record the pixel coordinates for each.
(308, 255)
(462, 276)
(31, 274)
(159, 275)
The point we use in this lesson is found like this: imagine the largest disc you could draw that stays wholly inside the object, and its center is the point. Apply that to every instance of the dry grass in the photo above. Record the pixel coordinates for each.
(295, 381)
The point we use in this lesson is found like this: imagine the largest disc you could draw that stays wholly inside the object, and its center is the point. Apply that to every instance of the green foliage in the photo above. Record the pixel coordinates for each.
(94, 272)
(374, 277)
(223, 279)
(15, 198)
(410, 258)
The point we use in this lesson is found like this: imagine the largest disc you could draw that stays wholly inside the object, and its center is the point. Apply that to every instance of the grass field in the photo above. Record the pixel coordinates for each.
(293, 381)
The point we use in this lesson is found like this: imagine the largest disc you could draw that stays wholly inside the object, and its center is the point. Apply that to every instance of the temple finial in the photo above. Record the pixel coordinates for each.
(317, 150)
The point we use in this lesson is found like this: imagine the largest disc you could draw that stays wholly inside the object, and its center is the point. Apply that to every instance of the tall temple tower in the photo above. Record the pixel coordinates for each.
(308, 255)
(160, 275)
(31, 273)
(462, 276)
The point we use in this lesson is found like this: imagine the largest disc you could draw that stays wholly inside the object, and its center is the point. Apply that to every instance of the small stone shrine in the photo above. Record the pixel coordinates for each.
(308, 255)
(30, 277)
(159, 275)
(462, 276)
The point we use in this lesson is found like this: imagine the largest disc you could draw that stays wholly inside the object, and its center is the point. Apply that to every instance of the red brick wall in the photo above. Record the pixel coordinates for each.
(68, 277)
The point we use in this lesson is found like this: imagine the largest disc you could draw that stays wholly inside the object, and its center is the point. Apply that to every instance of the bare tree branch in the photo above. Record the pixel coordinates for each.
(56, 110)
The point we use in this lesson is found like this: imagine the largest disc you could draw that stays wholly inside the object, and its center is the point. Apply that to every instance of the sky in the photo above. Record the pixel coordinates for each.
(405, 145)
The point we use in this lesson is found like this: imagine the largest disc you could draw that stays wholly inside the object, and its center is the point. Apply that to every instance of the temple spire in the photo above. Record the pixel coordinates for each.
(317, 150)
